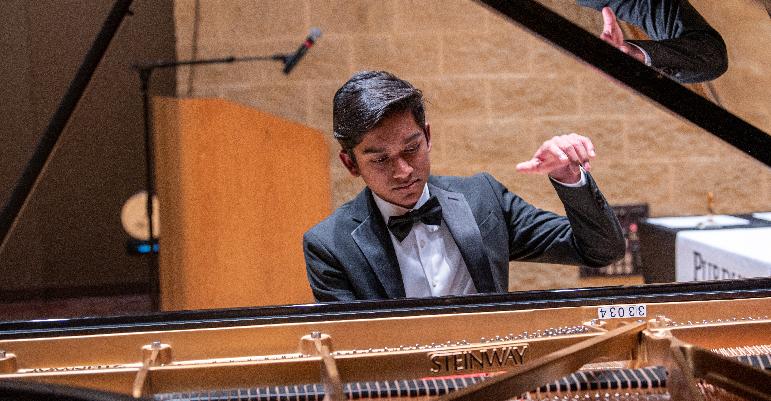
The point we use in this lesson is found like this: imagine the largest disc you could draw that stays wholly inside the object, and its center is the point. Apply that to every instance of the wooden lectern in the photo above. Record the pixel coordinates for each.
(237, 190)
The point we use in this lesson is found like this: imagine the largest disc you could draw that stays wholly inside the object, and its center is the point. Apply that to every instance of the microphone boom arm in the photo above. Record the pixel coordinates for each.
(145, 72)
(231, 59)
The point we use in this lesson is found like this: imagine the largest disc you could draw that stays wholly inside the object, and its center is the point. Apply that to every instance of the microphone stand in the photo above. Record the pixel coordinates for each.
(145, 72)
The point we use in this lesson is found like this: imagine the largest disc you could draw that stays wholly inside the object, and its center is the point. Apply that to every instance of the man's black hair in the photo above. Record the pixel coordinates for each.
(368, 98)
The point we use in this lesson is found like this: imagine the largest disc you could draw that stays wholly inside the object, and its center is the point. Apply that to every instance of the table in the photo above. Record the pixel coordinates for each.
(701, 248)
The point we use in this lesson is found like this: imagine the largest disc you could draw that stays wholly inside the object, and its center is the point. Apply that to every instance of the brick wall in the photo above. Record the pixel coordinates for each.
(494, 94)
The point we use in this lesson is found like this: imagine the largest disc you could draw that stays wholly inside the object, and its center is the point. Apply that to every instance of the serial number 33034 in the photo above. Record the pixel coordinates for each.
(621, 311)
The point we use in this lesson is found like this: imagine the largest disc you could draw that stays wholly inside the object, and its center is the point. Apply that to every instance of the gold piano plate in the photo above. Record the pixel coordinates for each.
(381, 349)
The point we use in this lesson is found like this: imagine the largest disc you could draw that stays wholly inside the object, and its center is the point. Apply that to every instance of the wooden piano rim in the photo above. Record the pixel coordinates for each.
(182, 378)
(283, 339)
(651, 293)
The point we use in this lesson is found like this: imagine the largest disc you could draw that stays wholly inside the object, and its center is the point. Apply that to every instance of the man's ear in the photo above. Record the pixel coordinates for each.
(349, 163)
(427, 131)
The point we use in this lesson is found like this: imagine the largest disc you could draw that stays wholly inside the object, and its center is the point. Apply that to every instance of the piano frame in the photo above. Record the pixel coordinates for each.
(384, 340)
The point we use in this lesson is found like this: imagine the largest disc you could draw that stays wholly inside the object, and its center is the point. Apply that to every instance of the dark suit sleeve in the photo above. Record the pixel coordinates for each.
(327, 279)
(684, 45)
(590, 235)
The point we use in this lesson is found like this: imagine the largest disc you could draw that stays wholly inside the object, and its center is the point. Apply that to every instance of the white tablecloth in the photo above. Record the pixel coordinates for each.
(723, 254)
(699, 221)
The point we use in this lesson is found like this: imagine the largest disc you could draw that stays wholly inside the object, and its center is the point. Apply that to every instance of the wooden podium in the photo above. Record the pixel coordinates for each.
(237, 189)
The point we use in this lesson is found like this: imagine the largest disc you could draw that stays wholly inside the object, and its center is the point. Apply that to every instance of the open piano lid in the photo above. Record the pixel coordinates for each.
(655, 86)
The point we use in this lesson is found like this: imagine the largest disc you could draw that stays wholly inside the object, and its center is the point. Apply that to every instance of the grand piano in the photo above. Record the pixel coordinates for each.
(706, 340)
(673, 340)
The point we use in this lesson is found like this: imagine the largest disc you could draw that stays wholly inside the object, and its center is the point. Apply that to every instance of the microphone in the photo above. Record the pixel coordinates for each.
(292, 59)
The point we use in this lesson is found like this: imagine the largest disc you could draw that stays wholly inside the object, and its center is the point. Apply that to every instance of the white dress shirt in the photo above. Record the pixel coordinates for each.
(429, 259)
(647, 56)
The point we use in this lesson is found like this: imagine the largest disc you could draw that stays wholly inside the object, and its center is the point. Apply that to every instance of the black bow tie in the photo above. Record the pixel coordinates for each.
(430, 213)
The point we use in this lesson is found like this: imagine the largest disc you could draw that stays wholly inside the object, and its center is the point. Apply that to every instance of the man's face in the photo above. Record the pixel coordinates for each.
(393, 159)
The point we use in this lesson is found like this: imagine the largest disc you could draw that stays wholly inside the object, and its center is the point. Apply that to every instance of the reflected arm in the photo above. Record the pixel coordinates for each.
(684, 45)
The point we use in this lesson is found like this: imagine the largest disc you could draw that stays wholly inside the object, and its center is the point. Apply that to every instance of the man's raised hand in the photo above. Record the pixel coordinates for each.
(611, 33)
(560, 157)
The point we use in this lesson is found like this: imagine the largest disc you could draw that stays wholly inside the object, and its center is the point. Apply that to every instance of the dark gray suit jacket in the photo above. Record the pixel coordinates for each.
(684, 45)
(350, 256)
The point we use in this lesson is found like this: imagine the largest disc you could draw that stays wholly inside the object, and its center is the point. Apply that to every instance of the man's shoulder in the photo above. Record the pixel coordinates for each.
(340, 219)
(461, 184)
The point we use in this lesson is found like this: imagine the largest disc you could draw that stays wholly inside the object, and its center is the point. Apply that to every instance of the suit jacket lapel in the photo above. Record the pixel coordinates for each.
(373, 240)
(464, 229)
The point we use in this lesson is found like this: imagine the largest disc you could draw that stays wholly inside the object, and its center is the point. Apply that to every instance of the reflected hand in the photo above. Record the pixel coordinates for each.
(612, 34)
(560, 157)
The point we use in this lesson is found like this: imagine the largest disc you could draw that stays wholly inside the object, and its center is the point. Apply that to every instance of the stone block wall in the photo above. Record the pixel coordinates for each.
(494, 92)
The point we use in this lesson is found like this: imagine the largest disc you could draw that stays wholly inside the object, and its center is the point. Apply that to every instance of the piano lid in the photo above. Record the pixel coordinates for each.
(654, 85)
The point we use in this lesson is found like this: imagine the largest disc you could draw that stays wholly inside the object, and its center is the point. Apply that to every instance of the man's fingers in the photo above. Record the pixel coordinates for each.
(611, 31)
(588, 145)
(560, 152)
(530, 166)
(536, 166)
(582, 155)
(557, 151)
(583, 147)
(573, 154)
(573, 147)
(608, 21)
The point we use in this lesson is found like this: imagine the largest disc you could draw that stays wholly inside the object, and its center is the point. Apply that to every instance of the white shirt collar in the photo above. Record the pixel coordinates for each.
(388, 209)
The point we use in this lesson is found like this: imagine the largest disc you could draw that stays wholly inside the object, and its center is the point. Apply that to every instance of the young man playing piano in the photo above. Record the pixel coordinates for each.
(411, 234)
